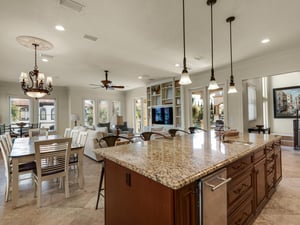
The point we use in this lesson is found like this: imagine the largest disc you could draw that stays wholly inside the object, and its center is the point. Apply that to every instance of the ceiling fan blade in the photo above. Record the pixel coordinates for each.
(95, 85)
(117, 86)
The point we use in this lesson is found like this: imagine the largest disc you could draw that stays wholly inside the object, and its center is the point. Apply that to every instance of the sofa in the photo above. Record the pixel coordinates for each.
(123, 129)
(91, 142)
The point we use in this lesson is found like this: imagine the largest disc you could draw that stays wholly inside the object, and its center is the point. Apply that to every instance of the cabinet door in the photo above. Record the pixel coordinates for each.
(132, 199)
(186, 205)
(260, 184)
(278, 165)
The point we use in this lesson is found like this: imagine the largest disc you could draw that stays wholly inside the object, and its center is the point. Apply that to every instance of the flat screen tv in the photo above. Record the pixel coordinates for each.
(162, 115)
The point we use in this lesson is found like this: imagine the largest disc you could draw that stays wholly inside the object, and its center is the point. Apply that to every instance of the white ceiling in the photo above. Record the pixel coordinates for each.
(140, 37)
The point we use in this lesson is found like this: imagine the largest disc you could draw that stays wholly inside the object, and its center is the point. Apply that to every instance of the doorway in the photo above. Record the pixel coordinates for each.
(140, 114)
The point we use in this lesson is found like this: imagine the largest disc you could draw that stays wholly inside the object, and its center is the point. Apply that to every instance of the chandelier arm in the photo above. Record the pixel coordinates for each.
(31, 76)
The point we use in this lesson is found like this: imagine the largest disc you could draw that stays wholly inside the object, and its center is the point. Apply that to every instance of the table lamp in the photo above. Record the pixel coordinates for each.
(75, 117)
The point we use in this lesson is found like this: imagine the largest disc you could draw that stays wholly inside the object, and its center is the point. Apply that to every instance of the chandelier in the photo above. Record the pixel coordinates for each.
(34, 84)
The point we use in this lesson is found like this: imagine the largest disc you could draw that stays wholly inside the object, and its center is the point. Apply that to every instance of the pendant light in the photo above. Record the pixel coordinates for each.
(185, 77)
(212, 83)
(231, 88)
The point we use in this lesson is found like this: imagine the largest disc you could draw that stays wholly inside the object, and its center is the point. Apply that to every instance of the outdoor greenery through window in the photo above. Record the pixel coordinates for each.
(103, 111)
(47, 115)
(89, 112)
(197, 109)
(19, 110)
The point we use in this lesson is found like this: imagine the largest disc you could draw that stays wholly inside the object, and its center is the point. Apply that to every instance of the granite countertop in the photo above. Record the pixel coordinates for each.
(184, 159)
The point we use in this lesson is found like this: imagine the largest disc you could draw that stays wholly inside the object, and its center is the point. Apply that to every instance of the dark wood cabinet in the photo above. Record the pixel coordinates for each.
(260, 184)
(240, 199)
(133, 199)
(244, 213)
(254, 180)
(278, 166)
(186, 205)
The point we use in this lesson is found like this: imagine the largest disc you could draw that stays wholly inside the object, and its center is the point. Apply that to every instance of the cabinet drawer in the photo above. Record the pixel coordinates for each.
(239, 166)
(243, 214)
(259, 154)
(238, 187)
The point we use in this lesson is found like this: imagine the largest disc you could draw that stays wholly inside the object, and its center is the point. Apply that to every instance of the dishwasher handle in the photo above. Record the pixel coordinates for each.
(215, 187)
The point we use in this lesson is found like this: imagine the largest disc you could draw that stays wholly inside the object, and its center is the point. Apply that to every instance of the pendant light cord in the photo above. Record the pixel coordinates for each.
(183, 28)
(231, 76)
(211, 36)
(35, 60)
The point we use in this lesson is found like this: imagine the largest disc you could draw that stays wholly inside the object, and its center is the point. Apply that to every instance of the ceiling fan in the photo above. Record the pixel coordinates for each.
(107, 84)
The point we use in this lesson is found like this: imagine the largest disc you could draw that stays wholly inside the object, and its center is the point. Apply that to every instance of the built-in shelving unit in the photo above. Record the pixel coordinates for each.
(163, 95)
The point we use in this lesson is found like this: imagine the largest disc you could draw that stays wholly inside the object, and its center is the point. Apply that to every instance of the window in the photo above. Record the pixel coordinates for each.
(43, 115)
(103, 111)
(116, 110)
(251, 103)
(89, 112)
(265, 100)
(47, 116)
(19, 110)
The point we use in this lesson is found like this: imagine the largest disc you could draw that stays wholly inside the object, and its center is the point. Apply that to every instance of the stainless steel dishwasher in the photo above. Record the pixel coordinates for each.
(213, 198)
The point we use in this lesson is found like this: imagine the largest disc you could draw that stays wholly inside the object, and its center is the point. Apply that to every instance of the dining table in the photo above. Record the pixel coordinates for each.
(23, 151)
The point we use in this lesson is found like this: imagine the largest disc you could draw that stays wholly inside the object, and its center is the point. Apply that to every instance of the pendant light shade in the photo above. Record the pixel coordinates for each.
(185, 77)
(212, 83)
(231, 88)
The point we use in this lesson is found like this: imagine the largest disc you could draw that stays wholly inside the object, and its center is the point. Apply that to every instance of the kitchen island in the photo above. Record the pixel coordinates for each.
(155, 182)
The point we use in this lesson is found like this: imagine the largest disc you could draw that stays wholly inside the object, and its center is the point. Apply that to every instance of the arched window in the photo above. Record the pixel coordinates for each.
(43, 114)
(53, 114)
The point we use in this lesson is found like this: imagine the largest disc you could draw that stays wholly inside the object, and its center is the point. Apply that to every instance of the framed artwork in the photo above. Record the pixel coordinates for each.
(286, 101)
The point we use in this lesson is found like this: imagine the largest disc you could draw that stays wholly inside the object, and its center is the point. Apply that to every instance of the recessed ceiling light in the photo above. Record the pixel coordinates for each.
(45, 60)
(59, 27)
(177, 65)
(266, 40)
(140, 77)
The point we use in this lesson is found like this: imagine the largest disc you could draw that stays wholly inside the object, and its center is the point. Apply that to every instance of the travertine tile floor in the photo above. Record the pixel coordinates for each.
(79, 209)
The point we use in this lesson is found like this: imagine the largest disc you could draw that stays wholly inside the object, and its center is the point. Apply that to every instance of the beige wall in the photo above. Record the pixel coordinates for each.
(270, 64)
(77, 96)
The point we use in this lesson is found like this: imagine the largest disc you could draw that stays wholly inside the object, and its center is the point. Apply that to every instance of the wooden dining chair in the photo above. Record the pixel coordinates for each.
(81, 140)
(9, 140)
(107, 141)
(173, 132)
(195, 129)
(146, 136)
(23, 168)
(58, 150)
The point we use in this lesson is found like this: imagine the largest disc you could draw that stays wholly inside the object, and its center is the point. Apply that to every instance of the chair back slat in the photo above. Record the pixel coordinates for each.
(82, 137)
(5, 156)
(74, 135)
(67, 132)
